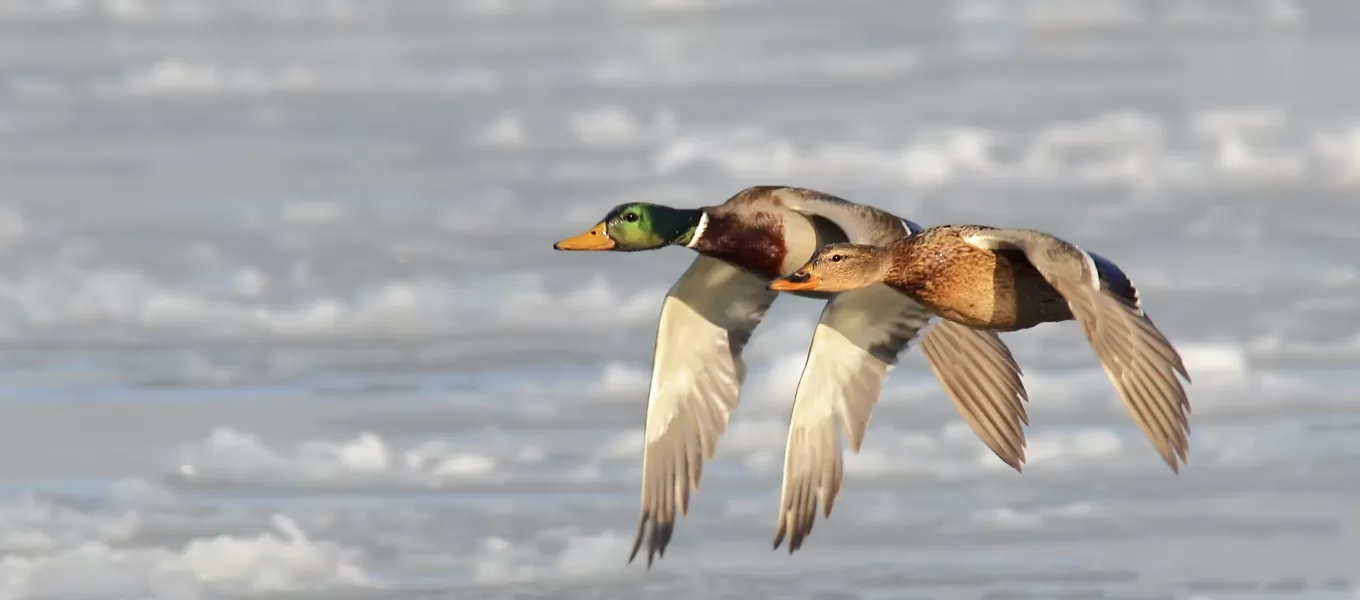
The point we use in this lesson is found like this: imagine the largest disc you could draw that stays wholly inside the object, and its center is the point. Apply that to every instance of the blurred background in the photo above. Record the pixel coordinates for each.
(280, 317)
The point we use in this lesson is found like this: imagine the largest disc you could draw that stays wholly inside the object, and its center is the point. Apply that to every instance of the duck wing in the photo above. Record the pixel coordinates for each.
(862, 224)
(854, 347)
(706, 320)
(978, 372)
(1137, 358)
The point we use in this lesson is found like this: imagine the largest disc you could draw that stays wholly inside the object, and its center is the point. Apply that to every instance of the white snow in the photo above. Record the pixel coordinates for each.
(228, 455)
(1123, 148)
(281, 559)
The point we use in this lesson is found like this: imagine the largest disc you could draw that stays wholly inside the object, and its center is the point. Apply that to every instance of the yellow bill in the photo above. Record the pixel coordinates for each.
(595, 239)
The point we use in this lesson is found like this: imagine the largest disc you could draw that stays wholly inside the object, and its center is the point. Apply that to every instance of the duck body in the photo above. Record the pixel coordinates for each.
(984, 288)
(998, 290)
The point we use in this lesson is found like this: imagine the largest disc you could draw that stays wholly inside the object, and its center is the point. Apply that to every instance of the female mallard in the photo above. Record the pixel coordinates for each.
(1012, 279)
(755, 236)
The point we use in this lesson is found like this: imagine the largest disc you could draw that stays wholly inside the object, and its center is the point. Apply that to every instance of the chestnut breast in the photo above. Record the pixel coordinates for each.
(754, 242)
(975, 287)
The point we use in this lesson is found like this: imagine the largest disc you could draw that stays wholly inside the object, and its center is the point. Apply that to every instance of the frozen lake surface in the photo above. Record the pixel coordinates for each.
(280, 317)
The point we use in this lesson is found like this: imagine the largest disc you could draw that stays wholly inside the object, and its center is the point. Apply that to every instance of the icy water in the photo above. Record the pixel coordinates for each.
(280, 317)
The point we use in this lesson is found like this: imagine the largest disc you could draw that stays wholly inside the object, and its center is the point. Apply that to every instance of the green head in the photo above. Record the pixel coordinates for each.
(637, 226)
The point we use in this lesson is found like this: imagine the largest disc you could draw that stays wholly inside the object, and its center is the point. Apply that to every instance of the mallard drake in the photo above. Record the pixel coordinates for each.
(709, 314)
(1013, 279)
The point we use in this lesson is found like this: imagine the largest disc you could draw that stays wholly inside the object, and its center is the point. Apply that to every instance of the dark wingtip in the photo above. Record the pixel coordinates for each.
(658, 537)
(661, 535)
(637, 540)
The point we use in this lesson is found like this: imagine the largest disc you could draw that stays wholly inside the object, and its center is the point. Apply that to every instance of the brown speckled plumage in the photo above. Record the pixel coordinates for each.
(992, 290)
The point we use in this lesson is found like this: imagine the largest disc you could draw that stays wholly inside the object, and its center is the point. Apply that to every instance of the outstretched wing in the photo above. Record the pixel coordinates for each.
(706, 320)
(982, 378)
(853, 349)
(1137, 358)
(856, 343)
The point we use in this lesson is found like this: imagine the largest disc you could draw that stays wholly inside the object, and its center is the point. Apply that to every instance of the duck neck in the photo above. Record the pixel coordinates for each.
(681, 226)
(898, 272)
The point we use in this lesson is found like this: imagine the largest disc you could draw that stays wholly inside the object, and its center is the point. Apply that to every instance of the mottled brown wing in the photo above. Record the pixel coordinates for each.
(978, 372)
(1137, 358)
(1141, 364)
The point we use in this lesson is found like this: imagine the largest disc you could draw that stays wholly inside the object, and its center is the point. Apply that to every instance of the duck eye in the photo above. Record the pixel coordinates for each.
(630, 217)
(835, 258)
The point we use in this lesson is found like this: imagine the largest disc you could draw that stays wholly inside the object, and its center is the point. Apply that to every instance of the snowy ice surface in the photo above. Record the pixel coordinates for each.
(279, 315)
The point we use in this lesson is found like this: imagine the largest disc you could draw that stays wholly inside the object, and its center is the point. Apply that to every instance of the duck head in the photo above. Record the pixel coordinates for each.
(837, 268)
(637, 226)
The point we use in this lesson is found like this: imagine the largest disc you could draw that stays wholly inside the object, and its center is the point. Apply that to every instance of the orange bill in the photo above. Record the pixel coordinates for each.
(595, 239)
(797, 282)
